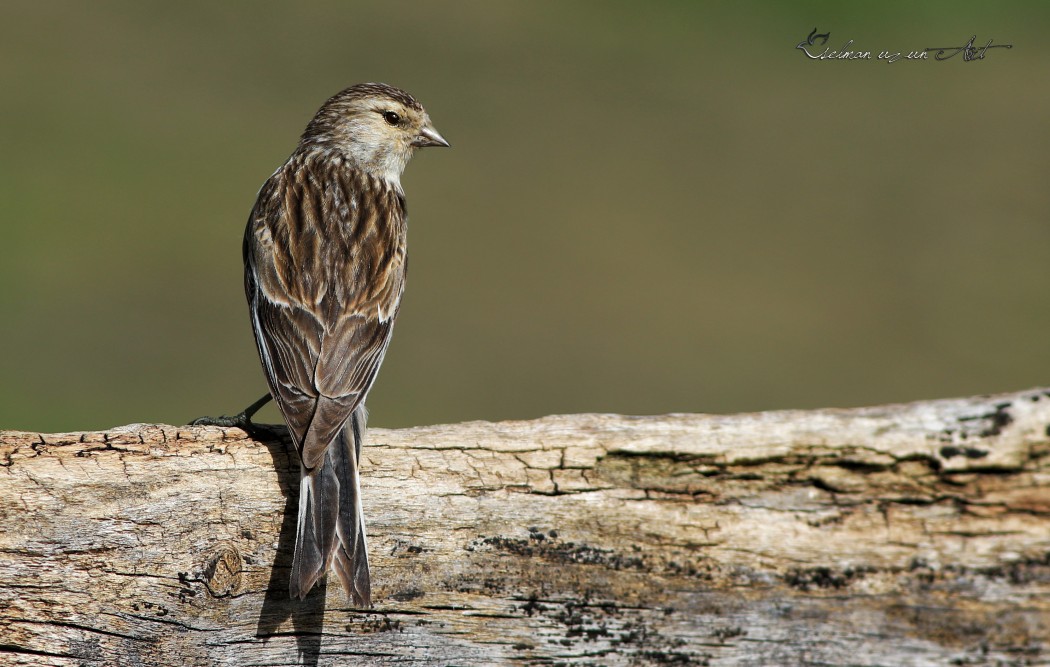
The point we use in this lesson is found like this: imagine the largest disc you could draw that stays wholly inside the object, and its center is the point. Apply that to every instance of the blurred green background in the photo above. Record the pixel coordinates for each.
(648, 207)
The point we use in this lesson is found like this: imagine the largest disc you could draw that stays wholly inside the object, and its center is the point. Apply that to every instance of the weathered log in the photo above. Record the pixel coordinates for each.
(897, 535)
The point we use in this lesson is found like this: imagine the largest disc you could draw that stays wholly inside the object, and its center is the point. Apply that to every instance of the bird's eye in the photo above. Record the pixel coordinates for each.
(391, 117)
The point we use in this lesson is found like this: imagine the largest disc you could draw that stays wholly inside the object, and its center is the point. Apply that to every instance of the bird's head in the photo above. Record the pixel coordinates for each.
(375, 126)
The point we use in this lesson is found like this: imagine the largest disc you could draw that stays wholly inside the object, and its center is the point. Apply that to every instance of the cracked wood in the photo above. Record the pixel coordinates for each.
(897, 535)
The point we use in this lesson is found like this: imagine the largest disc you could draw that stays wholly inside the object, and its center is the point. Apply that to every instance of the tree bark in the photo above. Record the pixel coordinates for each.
(898, 535)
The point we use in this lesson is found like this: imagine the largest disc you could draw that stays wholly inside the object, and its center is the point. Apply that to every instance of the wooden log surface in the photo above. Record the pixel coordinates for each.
(897, 535)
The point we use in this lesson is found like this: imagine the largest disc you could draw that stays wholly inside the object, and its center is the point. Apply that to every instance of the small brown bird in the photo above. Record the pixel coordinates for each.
(324, 270)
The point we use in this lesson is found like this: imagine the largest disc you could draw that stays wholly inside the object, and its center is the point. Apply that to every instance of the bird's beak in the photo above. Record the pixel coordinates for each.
(428, 136)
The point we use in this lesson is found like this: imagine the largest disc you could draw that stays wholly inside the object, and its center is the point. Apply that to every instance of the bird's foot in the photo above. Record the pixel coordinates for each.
(241, 420)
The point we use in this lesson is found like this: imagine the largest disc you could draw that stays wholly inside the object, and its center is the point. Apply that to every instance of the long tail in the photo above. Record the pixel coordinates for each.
(331, 522)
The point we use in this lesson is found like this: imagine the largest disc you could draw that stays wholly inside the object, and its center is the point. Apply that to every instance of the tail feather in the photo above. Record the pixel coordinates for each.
(351, 554)
(331, 528)
(314, 539)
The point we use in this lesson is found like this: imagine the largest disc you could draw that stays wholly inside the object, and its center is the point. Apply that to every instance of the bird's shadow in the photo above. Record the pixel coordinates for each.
(307, 615)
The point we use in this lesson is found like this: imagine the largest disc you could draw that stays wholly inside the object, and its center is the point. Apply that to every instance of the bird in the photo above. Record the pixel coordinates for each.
(324, 272)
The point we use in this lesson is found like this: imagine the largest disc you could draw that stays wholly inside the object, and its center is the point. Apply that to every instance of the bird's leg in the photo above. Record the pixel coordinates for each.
(242, 420)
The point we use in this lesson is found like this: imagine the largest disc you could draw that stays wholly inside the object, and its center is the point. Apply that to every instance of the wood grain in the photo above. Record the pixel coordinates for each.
(897, 535)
